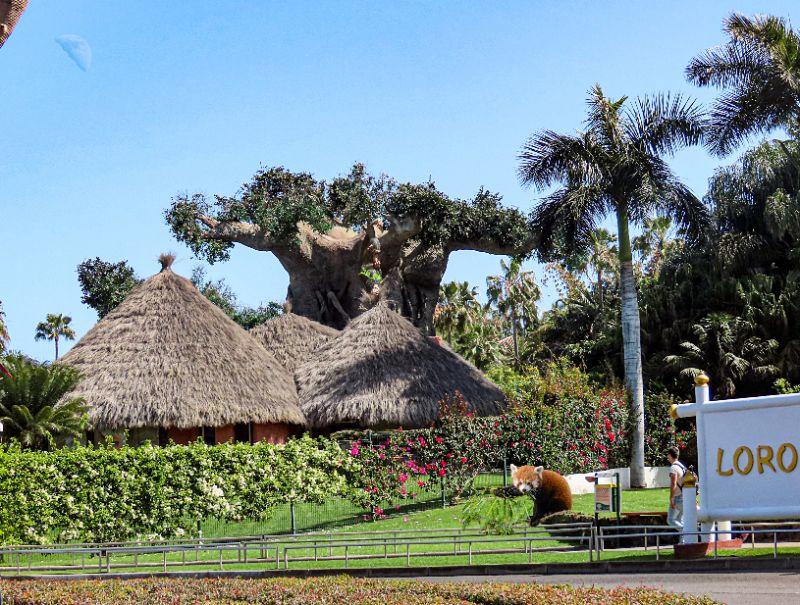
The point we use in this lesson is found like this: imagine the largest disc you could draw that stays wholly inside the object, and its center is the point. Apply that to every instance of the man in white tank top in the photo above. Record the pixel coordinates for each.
(676, 472)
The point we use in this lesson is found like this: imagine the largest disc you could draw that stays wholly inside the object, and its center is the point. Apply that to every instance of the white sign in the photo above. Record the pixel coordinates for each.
(747, 456)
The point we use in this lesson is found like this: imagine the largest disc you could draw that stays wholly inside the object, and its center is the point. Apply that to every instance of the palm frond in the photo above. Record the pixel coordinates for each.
(664, 123)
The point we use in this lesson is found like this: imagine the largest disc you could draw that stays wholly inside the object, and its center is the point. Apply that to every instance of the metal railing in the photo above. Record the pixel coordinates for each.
(285, 552)
(658, 532)
(281, 551)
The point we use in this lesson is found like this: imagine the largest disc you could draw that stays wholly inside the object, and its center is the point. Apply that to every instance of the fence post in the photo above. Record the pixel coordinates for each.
(291, 516)
(505, 469)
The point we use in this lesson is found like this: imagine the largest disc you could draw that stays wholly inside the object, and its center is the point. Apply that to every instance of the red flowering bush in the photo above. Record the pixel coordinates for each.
(580, 434)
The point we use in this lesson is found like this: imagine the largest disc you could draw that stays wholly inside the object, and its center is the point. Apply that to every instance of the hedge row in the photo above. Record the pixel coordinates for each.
(318, 591)
(104, 493)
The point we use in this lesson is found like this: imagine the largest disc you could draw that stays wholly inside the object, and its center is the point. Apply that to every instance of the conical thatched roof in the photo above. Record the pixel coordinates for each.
(381, 372)
(168, 357)
(10, 12)
(292, 339)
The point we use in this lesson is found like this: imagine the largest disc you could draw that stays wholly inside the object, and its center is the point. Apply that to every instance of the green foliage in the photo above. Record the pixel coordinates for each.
(104, 284)
(322, 591)
(496, 515)
(221, 294)
(276, 200)
(554, 381)
(3, 330)
(32, 408)
(758, 69)
(105, 493)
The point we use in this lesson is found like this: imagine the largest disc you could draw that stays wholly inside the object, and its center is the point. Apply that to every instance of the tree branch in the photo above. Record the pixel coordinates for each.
(492, 246)
(239, 232)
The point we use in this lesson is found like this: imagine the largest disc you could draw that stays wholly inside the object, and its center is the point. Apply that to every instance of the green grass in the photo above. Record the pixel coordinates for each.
(433, 518)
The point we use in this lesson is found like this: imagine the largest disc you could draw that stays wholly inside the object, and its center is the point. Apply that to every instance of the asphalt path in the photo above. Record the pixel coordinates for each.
(731, 588)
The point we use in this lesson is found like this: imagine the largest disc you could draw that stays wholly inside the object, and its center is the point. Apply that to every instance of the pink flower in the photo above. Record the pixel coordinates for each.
(439, 440)
(421, 483)
(378, 511)
(442, 472)
(463, 460)
(405, 519)
(422, 441)
(354, 450)
(402, 477)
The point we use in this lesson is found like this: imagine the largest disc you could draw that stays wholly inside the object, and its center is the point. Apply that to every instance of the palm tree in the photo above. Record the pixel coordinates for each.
(726, 348)
(3, 330)
(33, 409)
(760, 69)
(55, 327)
(514, 295)
(653, 243)
(457, 310)
(615, 167)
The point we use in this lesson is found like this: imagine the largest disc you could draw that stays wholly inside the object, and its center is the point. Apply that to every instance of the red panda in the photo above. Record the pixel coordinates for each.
(550, 490)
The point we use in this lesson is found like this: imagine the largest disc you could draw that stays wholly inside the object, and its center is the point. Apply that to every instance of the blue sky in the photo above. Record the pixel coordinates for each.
(195, 95)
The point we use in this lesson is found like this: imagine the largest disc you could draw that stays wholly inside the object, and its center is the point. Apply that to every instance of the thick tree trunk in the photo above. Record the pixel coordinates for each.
(325, 281)
(632, 349)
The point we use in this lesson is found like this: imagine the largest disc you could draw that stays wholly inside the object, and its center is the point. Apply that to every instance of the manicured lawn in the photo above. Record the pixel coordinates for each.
(405, 525)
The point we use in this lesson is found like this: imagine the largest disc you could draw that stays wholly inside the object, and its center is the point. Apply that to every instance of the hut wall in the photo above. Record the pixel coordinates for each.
(182, 436)
(272, 432)
(223, 434)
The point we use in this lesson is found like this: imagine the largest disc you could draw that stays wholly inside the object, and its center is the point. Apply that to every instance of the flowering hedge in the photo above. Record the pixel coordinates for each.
(318, 591)
(104, 493)
(579, 434)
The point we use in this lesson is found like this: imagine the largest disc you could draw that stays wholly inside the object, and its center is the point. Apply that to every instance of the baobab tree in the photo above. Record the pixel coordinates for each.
(353, 240)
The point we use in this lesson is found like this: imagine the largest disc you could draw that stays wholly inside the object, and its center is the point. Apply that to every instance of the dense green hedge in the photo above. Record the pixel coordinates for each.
(104, 493)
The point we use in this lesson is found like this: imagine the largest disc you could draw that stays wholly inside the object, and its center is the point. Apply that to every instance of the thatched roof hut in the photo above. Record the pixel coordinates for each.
(168, 357)
(10, 12)
(292, 339)
(381, 372)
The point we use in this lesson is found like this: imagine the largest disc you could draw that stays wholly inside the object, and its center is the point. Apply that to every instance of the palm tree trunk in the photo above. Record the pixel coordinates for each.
(56, 341)
(514, 336)
(631, 348)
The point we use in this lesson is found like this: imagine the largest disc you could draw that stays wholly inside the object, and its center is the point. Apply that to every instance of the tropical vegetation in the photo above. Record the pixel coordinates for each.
(35, 408)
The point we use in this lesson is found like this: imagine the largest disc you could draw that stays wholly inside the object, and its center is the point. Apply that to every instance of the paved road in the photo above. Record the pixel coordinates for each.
(732, 588)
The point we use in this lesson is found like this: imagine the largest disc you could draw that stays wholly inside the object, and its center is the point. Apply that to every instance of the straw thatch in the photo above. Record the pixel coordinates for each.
(292, 339)
(10, 12)
(168, 357)
(381, 372)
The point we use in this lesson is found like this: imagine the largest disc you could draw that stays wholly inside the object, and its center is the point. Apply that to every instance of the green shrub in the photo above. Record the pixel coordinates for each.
(104, 493)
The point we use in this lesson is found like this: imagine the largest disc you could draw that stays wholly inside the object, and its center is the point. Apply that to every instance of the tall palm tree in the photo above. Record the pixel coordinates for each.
(3, 330)
(615, 166)
(33, 409)
(457, 310)
(55, 326)
(653, 243)
(514, 294)
(760, 69)
(10, 12)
